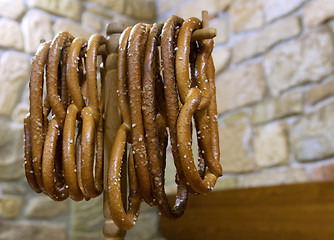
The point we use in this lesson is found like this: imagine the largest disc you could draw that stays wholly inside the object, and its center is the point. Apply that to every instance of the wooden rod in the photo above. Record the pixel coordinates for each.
(112, 121)
(205, 32)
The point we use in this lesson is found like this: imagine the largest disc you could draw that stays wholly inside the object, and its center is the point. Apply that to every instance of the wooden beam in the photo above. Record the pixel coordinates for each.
(298, 211)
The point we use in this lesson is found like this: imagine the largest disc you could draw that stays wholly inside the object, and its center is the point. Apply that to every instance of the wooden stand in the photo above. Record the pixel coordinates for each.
(112, 117)
(112, 121)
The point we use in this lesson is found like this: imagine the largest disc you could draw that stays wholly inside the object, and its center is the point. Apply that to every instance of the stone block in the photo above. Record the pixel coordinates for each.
(236, 147)
(167, 5)
(221, 58)
(240, 87)
(288, 104)
(77, 30)
(92, 21)
(261, 41)
(195, 8)
(66, 8)
(26, 230)
(317, 12)
(141, 9)
(223, 4)
(275, 177)
(36, 26)
(42, 207)
(308, 59)
(12, 8)
(221, 26)
(323, 172)
(224, 183)
(246, 15)
(19, 112)
(12, 188)
(87, 218)
(271, 145)
(14, 72)
(321, 91)
(10, 34)
(12, 170)
(235, 117)
(115, 5)
(312, 137)
(11, 206)
(146, 227)
(274, 9)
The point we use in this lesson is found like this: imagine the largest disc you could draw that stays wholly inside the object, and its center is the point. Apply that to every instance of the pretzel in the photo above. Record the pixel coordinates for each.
(182, 62)
(122, 219)
(61, 41)
(92, 124)
(53, 189)
(135, 48)
(29, 172)
(37, 115)
(155, 125)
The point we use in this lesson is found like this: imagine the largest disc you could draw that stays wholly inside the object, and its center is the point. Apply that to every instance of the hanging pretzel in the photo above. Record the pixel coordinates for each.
(135, 48)
(91, 127)
(122, 219)
(38, 114)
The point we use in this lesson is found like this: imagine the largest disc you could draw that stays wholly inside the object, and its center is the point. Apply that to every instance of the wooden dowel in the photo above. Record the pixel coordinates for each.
(112, 121)
(205, 32)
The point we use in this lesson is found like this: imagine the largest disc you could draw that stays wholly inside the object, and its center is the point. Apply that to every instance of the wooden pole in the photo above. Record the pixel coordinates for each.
(112, 121)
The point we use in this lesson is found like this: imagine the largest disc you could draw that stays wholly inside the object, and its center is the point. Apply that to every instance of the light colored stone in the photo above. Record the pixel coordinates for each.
(166, 5)
(221, 58)
(115, 5)
(12, 8)
(87, 218)
(10, 34)
(236, 148)
(320, 92)
(146, 227)
(317, 12)
(141, 9)
(91, 20)
(271, 145)
(26, 230)
(11, 206)
(223, 4)
(36, 26)
(14, 71)
(77, 30)
(43, 207)
(11, 143)
(66, 8)
(312, 137)
(260, 42)
(275, 177)
(12, 171)
(224, 183)
(12, 188)
(274, 9)
(235, 117)
(240, 87)
(195, 8)
(221, 25)
(323, 172)
(308, 59)
(246, 15)
(288, 104)
(19, 112)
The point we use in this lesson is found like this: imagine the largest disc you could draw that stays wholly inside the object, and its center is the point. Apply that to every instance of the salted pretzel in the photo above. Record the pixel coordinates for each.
(124, 220)
(92, 126)
(35, 124)
(155, 126)
(195, 100)
(136, 44)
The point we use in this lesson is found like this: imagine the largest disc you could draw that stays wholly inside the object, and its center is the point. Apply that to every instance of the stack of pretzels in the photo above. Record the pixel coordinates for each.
(64, 129)
(166, 86)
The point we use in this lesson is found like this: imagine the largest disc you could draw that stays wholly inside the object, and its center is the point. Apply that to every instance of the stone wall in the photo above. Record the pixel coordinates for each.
(275, 88)
(23, 24)
(275, 85)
